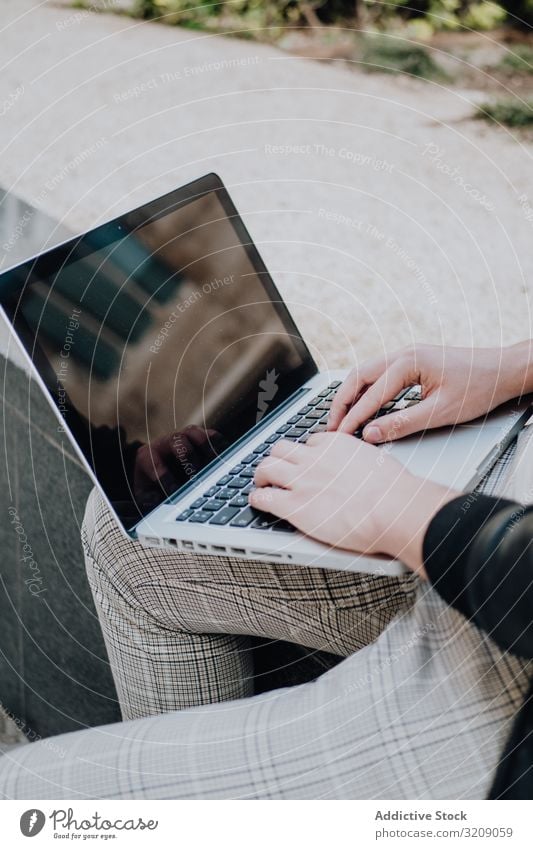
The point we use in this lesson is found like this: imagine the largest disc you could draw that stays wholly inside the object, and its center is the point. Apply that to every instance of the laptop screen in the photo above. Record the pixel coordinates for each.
(161, 340)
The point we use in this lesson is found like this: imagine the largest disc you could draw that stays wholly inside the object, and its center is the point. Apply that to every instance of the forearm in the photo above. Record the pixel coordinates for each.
(476, 550)
(478, 553)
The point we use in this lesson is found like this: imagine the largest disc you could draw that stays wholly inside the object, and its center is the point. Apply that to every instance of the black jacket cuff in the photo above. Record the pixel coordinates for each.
(451, 536)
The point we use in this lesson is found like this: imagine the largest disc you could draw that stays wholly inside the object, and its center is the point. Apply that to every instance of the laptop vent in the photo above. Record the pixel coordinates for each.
(204, 548)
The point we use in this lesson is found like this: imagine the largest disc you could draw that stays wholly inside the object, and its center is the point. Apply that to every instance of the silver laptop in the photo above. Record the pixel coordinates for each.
(173, 366)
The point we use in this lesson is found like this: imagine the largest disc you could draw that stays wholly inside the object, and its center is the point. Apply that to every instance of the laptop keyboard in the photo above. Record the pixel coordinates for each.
(226, 503)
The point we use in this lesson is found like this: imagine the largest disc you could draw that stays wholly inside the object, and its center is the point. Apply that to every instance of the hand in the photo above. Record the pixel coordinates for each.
(349, 495)
(458, 384)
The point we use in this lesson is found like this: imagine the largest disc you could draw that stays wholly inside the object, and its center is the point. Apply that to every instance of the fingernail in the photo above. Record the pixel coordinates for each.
(372, 434)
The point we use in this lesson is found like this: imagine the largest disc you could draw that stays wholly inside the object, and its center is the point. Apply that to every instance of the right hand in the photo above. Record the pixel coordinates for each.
(458, 384)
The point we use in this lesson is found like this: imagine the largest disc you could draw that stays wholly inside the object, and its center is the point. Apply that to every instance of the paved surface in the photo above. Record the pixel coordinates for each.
(385, 213)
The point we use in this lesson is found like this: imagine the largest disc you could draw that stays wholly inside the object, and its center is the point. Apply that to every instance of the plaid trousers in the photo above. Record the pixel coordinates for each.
(419, 710)
(177, 626)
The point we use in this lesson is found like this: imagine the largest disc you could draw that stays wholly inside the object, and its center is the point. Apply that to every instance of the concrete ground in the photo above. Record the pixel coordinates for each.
(384, 212)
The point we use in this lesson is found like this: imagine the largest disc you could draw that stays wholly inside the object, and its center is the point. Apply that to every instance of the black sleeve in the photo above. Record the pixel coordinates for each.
(478, 554)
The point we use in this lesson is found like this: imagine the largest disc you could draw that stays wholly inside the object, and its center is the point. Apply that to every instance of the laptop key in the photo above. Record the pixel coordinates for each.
(237, 483)
(265, 521)
(214, 505)
(236, 469)
(186, 514)
(249, 458)
(304, 410)
(247, 473)
(274, 438)
(284, 428)
(212, 491)
(260, 449)
(239, 501)
(225, 494)
(400, 395)
(296, 432)
(293, 420)
(244, 518)
(198, 503)
(324, 393)
(224, 516)
(316, 414)
(224, 481)
(247, 489)
(334, 384)
(284, 526)
(200, 516)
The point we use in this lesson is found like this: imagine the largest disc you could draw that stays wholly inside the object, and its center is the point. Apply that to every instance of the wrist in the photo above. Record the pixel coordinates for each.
(421, 500)
(516, 370)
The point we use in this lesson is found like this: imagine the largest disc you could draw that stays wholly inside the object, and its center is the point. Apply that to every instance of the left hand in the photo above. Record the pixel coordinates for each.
(350, 495)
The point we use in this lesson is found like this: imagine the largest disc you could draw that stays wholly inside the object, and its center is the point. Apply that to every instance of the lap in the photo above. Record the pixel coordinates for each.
(323, 609)
(420, 713)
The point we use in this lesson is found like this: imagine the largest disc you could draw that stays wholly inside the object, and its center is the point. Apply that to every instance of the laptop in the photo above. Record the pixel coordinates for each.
(173, 365)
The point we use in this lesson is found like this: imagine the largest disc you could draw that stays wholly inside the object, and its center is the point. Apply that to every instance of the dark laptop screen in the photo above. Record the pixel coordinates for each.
(161, 339)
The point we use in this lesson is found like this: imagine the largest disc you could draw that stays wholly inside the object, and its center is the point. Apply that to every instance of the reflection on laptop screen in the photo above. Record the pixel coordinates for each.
(161, 339)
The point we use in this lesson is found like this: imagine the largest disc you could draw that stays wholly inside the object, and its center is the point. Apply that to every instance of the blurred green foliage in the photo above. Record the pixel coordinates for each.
(427, 15)
(520, 58)
(391, 54)
(512, 112)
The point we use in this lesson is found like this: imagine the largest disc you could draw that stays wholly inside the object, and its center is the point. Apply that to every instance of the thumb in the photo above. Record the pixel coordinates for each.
(401, 423)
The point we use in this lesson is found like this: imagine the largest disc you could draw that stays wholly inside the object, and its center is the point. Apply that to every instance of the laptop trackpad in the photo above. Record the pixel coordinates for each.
(454, 456)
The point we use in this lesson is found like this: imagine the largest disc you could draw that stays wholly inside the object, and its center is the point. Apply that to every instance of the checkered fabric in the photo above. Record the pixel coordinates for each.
(177, 626)
(421, 710)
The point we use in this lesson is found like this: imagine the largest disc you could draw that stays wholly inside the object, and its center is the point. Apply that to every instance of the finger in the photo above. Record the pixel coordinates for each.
(350, 390)
(287, 450)
(384, 389)
(317, 438)
(271, 500)
(414, 419)
(273, 472)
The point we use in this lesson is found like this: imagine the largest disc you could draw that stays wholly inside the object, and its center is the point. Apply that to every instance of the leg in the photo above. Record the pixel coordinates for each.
(176, 626)
(421, 713)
